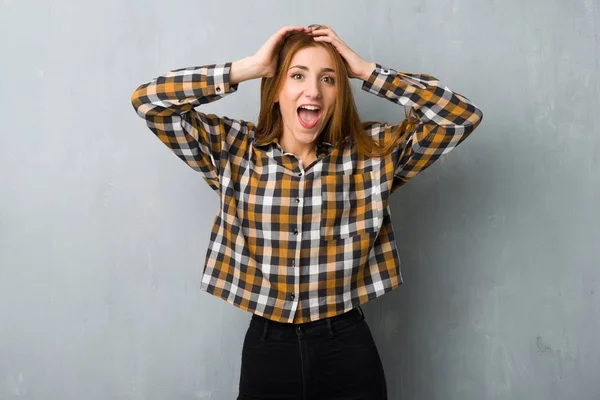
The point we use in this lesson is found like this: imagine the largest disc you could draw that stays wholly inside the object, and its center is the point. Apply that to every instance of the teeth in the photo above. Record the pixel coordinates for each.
(313, 108)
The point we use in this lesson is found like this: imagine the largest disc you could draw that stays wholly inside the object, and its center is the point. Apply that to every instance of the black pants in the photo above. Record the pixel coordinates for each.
(328, 359)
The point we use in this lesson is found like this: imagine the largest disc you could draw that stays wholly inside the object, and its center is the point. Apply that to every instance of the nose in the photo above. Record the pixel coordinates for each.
(312, 89)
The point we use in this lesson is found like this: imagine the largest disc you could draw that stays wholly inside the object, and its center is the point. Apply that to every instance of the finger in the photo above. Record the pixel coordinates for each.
(339, 46)
(323, 39)
(285, 31)
(336, 42)
(320, 31)
(325, 29)
(325, 32)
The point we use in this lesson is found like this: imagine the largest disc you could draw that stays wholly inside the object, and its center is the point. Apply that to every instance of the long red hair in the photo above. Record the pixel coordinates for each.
(344, 123)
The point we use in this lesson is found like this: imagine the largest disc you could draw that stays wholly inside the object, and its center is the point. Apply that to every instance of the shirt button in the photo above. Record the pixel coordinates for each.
(296, 231)
(292, 296)
(297, 200)
(218, 89)
(300, 173)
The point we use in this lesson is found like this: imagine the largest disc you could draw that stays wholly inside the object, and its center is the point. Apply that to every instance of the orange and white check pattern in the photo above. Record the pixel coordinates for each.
(291, 242)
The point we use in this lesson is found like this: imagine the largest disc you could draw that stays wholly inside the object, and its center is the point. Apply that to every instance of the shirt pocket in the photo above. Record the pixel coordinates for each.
(351, 205)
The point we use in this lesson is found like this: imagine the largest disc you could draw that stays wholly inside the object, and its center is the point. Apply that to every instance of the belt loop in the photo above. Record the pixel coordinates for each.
(361, 311)
(265, 330)
(330, 328)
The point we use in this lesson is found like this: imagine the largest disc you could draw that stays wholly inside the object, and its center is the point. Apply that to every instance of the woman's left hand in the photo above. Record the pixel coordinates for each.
(358, 66)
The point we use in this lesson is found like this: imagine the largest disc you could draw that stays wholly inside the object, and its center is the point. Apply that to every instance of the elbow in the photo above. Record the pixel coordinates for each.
(141, 103)
(474, 119)
(136, 98)
(479, 115)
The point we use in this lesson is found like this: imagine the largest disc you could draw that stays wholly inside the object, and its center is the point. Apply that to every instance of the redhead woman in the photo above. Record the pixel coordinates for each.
(303, 235)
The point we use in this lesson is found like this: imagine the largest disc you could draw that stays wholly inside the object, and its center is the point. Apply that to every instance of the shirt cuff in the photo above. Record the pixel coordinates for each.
(378, 77)
(219, 75)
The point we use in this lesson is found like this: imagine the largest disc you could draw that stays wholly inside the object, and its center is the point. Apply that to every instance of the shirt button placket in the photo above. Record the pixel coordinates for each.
(298, 200)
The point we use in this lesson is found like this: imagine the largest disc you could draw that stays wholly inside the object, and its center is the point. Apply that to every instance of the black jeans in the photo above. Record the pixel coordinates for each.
(329, 359)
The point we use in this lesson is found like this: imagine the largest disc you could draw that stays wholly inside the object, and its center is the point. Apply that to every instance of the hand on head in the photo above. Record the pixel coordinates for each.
(266, 57)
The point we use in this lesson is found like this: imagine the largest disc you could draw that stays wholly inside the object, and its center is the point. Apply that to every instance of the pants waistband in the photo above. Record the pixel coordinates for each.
(328, 325)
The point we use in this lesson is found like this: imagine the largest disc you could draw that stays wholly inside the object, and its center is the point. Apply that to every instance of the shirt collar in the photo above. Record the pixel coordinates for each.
(322, 147)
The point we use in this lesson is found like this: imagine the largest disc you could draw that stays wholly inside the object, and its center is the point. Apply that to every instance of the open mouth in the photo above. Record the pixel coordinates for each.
(309, 116)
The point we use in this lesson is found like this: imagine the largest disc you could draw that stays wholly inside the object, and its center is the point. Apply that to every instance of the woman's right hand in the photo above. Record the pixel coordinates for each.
(266, 57)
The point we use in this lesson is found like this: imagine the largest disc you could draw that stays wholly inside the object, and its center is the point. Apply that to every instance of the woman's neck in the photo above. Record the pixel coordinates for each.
(304, 151)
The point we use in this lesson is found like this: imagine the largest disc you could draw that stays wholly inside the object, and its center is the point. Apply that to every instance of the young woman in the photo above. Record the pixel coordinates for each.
(303, 235)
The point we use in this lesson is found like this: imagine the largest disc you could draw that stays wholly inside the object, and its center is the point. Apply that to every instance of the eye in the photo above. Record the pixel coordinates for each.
(296, 75)
(329, 79)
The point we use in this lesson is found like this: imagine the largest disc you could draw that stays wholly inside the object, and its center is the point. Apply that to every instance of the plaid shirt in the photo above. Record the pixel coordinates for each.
(291, 242)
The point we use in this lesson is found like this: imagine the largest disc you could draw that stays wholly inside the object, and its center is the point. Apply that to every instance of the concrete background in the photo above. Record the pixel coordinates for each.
(103, 231)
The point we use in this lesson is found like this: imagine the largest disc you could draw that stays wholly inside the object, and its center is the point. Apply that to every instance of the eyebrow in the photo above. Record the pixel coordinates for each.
(306, 68)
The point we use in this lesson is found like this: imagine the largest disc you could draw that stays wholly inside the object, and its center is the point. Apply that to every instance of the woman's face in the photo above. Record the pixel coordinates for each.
(307, 97)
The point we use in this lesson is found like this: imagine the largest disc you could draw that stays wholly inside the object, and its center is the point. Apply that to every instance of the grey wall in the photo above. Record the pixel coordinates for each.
(103, 231)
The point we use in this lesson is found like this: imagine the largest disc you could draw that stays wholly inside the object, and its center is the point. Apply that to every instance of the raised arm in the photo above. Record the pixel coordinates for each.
(203, 141)
(167, 104)
(446, 118)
